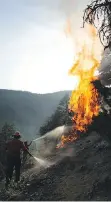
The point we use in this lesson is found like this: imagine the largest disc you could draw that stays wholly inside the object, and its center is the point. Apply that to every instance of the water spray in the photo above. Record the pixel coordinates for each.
(43, 162)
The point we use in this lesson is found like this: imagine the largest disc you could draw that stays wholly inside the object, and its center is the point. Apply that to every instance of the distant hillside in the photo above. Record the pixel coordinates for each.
(27, 110)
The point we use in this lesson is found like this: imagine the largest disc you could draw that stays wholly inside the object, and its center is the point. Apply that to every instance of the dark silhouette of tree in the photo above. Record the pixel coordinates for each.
(102, 123)
(60, 117)
(105, 92)
(98, 13)
(7, 131)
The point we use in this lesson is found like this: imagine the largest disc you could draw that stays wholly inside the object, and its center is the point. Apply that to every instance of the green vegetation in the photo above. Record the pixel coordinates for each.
(27, 111)
(59, 118)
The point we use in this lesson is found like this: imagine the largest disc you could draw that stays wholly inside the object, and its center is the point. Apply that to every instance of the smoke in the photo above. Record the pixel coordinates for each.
(57, 132)
(68, 7)
(46, 154)
(73, 10)
(105, 69)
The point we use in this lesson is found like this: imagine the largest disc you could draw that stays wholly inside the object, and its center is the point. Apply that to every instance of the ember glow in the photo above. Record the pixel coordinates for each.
(84, 100)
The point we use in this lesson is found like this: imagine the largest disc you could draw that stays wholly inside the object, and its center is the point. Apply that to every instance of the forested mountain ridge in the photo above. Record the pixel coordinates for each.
(27, 110)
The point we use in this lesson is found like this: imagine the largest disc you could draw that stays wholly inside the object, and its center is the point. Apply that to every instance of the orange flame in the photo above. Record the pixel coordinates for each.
(84, 100)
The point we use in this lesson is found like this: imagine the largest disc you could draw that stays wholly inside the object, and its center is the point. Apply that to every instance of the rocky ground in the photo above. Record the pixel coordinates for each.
(83, 174)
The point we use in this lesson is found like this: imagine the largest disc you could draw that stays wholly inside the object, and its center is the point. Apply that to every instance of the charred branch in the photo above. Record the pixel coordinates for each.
(98, 13)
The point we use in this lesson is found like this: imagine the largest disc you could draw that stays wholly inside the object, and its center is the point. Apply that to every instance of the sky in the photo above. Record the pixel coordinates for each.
(35, 53)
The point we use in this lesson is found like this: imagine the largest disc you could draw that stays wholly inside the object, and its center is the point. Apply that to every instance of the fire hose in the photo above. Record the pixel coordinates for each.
(31, 155)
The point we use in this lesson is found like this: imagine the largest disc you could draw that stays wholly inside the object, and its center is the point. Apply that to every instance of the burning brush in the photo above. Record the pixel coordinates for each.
(84, 101)
(103, 91)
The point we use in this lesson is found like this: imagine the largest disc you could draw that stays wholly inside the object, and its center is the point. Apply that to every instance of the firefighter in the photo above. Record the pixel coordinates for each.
(13, 149)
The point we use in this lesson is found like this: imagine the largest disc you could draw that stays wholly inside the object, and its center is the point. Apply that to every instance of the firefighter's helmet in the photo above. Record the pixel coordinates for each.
(17, 134)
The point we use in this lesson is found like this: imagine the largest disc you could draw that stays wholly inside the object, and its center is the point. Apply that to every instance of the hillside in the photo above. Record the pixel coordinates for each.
(83, 174)
(27, 110)
(79, 171)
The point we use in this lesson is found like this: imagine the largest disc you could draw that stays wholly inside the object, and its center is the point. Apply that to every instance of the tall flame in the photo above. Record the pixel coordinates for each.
(84, 99)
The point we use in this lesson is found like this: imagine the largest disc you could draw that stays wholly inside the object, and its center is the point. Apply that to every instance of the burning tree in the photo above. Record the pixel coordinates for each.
(98, 13)
(84, 100)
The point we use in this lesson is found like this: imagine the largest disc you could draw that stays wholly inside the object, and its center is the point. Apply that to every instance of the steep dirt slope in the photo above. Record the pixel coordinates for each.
(85, 175)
